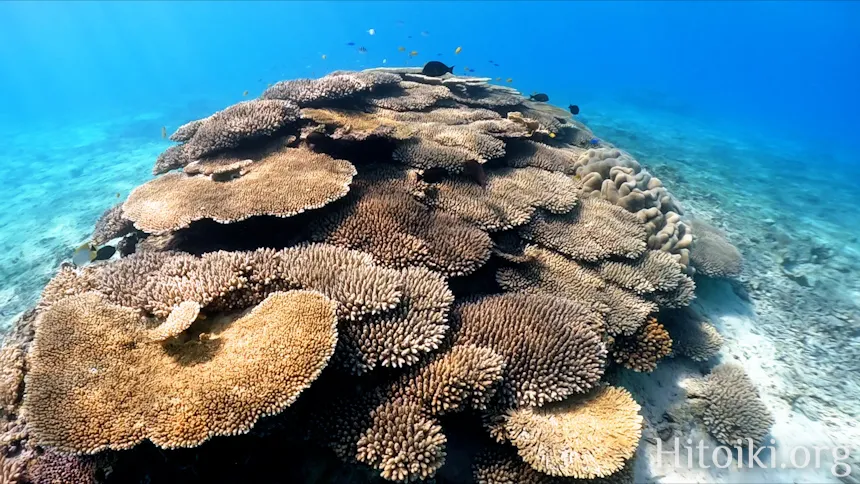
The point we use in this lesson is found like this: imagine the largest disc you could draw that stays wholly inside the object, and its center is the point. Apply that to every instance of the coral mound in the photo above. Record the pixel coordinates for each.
(367, 259)
(712, 254)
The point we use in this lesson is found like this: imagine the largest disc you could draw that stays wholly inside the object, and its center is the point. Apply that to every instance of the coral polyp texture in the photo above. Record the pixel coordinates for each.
(360, 259)
(712, 254)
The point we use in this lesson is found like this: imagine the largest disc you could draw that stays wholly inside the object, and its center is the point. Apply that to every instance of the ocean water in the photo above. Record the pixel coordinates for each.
(748, 112)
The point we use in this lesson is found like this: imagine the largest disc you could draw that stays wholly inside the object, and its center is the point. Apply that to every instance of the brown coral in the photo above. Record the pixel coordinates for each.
(400, 336)
(729, 404)
(550, 345)
(401, 232)
(712, 254)
(530, 153)
(643, 349)
(697, 340)
(585, 437)
(241, 122)
(594, 231)
(546, 272)
(335, 86)
(11, 377)
(111, 225)
(283, 184)
(178, 321)
(96, 381)
(654, 271)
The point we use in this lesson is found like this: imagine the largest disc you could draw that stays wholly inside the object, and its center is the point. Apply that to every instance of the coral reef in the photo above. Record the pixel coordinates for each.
(730, 407)
(351, 262)
(712, 254)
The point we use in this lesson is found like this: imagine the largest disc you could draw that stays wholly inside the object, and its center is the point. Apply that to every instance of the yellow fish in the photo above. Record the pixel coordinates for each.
(510, 80)
(413, 53)
(458, 50)
(245, 93)
(552, 135)
(323, 57)
(401, 49)
(163, 132)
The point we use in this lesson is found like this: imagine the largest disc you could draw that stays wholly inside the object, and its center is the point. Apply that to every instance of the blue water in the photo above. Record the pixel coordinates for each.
(87, 86)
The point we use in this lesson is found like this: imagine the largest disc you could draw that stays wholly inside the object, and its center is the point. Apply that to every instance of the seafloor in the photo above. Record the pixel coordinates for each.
(792, 319)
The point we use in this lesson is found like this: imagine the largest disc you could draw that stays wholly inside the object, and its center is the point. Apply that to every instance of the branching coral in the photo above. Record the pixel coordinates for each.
(643, 349)
(693, 336)
(594, 231)
(730, 406)
(547, 272)
(583, 437)
(117, 388)
(111, 225)
(530, 153)
(335, 86)
(283, 184)
(653, 271)
(12, 365)
(712, 254)
(551, 347)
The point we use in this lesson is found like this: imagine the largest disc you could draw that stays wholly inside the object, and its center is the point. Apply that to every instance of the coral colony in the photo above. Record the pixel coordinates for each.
(373, 271)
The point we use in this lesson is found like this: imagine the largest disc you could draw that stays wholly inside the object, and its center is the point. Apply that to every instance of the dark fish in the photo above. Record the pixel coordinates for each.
(574, 109)
(436, 69)
(475, 171)
(362, 50)
(539, 97)
(496, 64)
(350, 44)
(105, 252)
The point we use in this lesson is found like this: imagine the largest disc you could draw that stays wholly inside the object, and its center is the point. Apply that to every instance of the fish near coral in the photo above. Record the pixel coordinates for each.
(539, 97)
(323, 57)
(413, 53)
(83, 255)
(574, 109)
(458, 50)
(362, 50)
(401, 49)
(436, 69)
(105, 253)
(371, 31)
(163, 132)
(510, 79)
(475, 171)
(245, 94)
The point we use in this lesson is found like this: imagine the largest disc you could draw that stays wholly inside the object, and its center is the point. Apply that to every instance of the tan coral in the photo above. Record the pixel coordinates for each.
(12, 365)
(178, 321)
(530, 153)
(694, 337)
(546, 272)
(654, 271)
(594, 231)
(187, 131)
(712, 254)
(241, 122)
(411, 96)
(502, 465)
(111, 225)
(335, 86)
(729, 405)
(551, 346)
(96, 382)
(585, 437)
(283, 184)
(642, 350)
(401, 232)
(400, 336)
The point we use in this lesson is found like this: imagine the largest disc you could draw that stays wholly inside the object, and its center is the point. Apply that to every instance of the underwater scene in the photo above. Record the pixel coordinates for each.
(455, 242)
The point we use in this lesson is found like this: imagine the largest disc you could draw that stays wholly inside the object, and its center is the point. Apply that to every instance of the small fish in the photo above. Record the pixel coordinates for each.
(594, 141)
(491, 62)
(510, 79)
(371, 31)
(351, 44)
(574, 109)
(539, 97)
(409, 37)
(436, 69)
(362, 50)
(413, 53)
(438, 54)
(260, 80)
(552, 135)
(384, 61)
(458, 50)
(83, 255)
(425, 34)
(323, 57)
(475, 171)
(245, 93)
(118, 195)
(496, 64)
(105, 253)
(163, 132)
(401, 49)
(498, 79)
(268, 85)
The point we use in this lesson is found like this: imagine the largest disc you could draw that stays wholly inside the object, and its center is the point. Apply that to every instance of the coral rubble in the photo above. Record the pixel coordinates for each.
(348, 263)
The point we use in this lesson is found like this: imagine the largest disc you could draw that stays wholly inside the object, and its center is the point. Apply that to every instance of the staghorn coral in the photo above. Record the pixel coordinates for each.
(643, 349)
(712, 254)
(545, 272)
(283, 184)
(594, 231)
(729, 405)
(238, 123)
(401, 232)
(654, 271)
(117, 389)
(551, 347)
(508, 200)
(400, 336)
(586, 437)
(111, 225)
